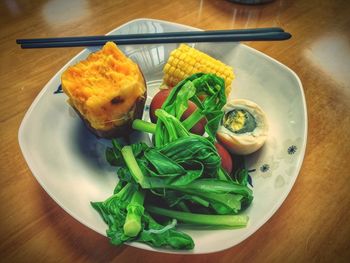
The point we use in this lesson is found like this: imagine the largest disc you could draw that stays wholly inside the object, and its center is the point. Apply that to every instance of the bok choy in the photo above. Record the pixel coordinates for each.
(180, 178)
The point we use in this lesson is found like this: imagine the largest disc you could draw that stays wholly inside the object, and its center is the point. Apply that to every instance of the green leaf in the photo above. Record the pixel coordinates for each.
(242, 176)
(162, 164)
(158, 235)
(190, 176)
(112, 158)
(182, 98)
(173, 198)
(194, 148)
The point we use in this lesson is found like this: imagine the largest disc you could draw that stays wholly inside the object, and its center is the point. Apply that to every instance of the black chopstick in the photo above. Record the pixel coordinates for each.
(150, 35)
(159, 38)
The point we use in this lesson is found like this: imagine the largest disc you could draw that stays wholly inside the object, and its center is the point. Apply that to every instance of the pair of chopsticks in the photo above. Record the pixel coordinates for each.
(254, 34)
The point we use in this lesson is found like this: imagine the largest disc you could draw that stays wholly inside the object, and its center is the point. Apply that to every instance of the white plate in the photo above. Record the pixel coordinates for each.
(69, 162)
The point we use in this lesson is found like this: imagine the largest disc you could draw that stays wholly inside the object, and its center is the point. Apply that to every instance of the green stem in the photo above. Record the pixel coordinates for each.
(217, 186)
(133, 166)
(201, 219)
(192, 120)
(200, 201)
(144, 126)
(132, 225)
(121, 194)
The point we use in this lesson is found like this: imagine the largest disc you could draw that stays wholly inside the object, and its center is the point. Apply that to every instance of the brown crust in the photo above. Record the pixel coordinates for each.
(122, 130)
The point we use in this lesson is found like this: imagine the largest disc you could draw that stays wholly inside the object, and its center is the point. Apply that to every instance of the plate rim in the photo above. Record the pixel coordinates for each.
(245, 235)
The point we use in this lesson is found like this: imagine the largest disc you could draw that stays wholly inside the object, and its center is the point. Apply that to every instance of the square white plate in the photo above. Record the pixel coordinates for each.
(69, 162)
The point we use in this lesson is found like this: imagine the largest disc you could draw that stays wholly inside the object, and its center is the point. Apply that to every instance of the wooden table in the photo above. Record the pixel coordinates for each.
(313, 223)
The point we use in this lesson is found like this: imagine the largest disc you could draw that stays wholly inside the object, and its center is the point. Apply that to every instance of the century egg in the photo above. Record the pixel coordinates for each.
(244, 127)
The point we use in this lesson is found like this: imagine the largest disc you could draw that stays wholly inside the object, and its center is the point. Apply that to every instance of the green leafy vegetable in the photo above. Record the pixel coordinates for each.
(210, 86)
(113, 212)
(180, 178)
(124, 214)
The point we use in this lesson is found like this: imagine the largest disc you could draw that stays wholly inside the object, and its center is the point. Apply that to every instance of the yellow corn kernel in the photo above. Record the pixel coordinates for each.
(185, 61)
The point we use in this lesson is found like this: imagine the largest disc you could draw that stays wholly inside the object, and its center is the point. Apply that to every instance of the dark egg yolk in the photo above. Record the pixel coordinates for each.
(239, 121)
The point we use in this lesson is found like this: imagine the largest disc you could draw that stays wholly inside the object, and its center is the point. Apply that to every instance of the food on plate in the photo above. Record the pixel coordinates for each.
(209, 85)
(158, 101)
(226, 159)
(181, 178)
(185, 61)
(107, 90)
(244, 127)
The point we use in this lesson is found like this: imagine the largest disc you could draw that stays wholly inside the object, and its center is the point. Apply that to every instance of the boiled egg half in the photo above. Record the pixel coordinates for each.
(244, 127)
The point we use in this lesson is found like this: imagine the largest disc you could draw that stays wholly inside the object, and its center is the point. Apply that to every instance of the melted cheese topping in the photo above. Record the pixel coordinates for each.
(105, 87)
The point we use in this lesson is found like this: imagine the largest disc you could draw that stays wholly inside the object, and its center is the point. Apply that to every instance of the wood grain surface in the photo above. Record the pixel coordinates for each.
(312, 225)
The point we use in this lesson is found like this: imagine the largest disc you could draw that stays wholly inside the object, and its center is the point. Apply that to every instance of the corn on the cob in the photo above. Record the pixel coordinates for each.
(185, 61)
